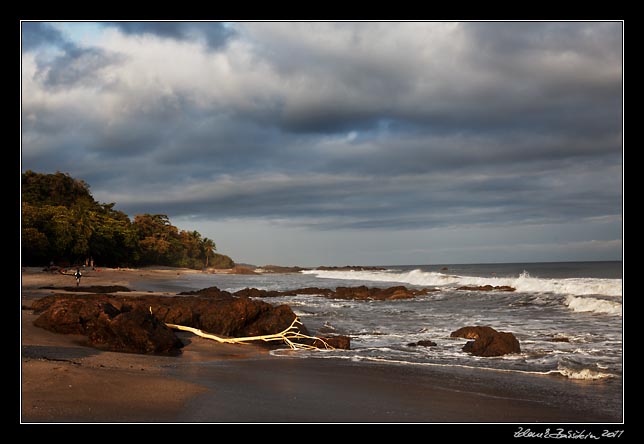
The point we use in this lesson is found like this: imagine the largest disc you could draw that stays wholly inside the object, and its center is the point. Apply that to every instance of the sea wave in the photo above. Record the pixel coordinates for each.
(523, 283)
(582, 374)
(585, 304)
(587, 374)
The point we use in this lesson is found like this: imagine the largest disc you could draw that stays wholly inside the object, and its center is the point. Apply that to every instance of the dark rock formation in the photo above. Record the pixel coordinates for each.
(422, 343)
(210, 292)
(122, 323)
(487, 288)
(487, 341)
(361, 293)
(350, 268)
(281, 269)
(340, 342)
(136, 331)
(309, 290)
(256, 293)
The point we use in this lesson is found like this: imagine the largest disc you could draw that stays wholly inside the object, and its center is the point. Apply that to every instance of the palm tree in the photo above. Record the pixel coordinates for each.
(208, 246)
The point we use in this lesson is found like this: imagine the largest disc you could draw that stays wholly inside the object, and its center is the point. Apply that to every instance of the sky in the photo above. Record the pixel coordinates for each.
(337, 143)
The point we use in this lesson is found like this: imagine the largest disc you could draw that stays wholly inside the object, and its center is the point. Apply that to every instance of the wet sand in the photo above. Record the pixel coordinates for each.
(64, 381)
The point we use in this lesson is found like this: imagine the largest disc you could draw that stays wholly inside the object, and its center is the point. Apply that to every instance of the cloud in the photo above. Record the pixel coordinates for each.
(38, 34)
(350, 126)
(213, 34)
(62, 63)
(78, 67)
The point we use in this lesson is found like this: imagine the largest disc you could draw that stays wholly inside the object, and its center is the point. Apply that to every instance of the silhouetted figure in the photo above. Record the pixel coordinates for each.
(77, 275)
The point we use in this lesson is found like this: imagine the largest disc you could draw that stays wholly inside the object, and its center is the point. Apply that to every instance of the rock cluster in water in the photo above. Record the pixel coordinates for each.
(137, 324)
(358, 293)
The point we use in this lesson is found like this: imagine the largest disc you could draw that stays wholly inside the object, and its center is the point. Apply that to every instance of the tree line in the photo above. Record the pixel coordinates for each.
(63, 224)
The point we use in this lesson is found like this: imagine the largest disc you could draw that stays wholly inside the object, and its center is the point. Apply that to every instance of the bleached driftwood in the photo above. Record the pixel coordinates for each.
(288, 336)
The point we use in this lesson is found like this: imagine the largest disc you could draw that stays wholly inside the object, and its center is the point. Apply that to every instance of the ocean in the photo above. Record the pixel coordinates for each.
(568, 317)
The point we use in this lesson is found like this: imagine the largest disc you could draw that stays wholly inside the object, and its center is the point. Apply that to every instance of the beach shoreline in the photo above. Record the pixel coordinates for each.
(65, 381)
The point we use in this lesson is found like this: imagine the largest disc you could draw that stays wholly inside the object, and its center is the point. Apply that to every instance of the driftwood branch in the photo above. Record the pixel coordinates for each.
(288, 336)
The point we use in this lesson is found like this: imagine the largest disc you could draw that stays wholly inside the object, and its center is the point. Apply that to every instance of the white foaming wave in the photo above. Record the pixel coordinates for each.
(584, 304)
(583, 374)
(522, 283)
(575, 286)
(579, 374)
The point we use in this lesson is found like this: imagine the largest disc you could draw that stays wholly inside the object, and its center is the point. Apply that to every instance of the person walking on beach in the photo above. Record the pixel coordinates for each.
(77, 275)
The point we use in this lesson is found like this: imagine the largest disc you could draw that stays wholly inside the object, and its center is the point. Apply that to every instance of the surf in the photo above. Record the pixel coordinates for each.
(522, 283)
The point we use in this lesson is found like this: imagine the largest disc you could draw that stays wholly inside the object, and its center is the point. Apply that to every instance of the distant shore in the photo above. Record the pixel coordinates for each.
(63, 380)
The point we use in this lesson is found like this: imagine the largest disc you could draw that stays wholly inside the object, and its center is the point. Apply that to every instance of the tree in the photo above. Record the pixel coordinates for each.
(62, 222)
(158, 240)
(207, 247)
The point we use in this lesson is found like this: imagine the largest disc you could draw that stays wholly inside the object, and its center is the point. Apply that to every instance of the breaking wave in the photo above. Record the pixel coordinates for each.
(582, 374)
(594, 305)
(523, 283)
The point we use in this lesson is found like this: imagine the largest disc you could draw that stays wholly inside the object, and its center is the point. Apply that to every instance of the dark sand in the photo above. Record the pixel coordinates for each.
(64, 381)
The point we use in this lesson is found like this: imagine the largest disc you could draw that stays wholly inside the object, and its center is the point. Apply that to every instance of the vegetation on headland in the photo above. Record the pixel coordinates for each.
(62, 223)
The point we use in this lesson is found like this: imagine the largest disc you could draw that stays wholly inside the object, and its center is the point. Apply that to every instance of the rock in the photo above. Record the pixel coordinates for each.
(422, 343)
(309, 290)
(211, 292)
(444, 268)
(487, 341)
(270, 320)
(134, 331)
(122, 323)
(339, 342)
(350, 268)
(256, 293)
(487, 288)
(72, 315)
(360, 293)
(560, 339)
(281, 269)
(234, 316)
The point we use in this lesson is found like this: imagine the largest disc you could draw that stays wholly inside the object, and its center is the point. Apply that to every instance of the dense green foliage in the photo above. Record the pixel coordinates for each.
(61, 222)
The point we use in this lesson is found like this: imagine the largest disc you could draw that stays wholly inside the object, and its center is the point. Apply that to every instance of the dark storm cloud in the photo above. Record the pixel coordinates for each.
(509, 75)
(512, 38)
(515, 123)
(214, 34)
(505, 196)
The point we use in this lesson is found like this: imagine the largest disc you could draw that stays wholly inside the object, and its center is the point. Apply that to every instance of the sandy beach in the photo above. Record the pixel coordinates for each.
(65, 381)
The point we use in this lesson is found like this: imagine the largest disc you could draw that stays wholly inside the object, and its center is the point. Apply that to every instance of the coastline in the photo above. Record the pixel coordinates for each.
(64, 381)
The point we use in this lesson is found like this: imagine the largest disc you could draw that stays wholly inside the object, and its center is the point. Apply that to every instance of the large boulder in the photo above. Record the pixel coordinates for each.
(134, 331)
(487, 341)
(72, 315)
